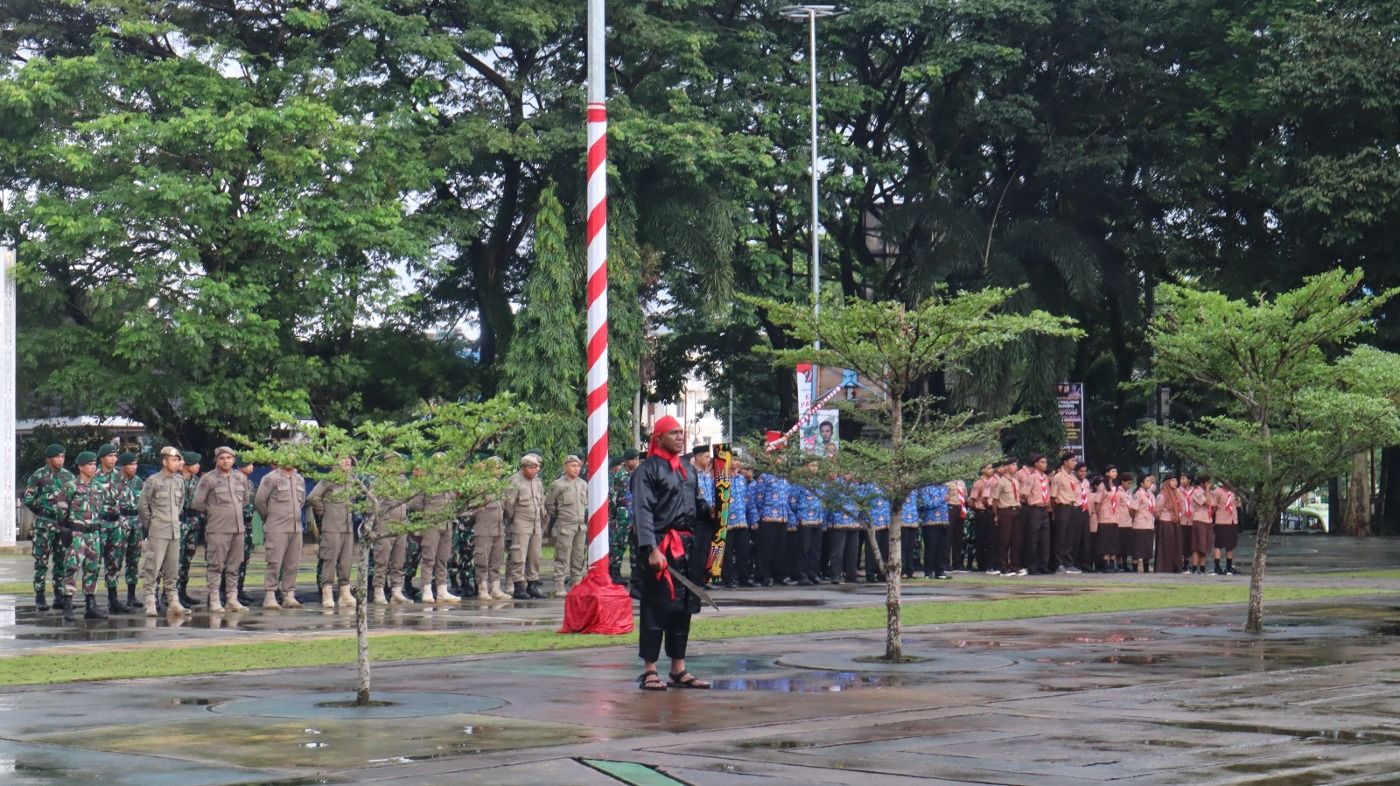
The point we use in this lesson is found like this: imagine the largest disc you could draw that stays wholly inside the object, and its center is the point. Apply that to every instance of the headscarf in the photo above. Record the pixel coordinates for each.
(664, 425)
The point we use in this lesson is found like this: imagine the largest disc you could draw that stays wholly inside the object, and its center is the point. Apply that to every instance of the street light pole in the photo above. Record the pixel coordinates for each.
(809, 14)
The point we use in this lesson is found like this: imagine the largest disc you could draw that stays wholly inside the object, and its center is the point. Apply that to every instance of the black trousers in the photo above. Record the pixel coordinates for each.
(955, 537)
(909, 551)
(935, 546)
(1037, 538)
(738, 555)
(845, 552)
(1064, 536)
(984, 536)
(658, 627)
(810, 540)
(770, 550)
(873, 569)
(824, 568)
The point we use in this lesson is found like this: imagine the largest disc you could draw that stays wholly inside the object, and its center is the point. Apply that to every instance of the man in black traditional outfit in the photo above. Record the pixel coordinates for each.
(670, 521)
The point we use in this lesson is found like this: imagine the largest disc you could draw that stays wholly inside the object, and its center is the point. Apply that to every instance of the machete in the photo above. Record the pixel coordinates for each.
(693, 587)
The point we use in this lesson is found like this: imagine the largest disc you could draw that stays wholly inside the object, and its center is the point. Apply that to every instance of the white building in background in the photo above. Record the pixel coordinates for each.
(702, 428)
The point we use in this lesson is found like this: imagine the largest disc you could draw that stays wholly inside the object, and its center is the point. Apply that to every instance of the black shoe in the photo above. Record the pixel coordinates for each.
(834, 580)
(747, 583)
(804, 582)
(58, 597)
(243, 597)
(185, 599)
(731, 584)
(766, 583)
(534, 590)
(133, 602)
(1220, 571)
(788, 582)
(68, 608)
(520, 592)
(409, 590)
(468, 590)
(115, 606)
(40, 602)
(943, 577)
(1232, 572)
(90, 610)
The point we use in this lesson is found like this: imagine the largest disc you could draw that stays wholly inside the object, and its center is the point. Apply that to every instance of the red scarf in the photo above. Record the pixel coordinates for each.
(1083, 495)
(663, 426)
(671, 547)
(1044, 482)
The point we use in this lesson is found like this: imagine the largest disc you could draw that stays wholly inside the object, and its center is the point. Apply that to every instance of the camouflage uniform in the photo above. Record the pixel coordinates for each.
(620, 524)
(88, 502)
(41, 496)
(191, 534)
(112, 529)
(248, 537)
(461, 568)
(128, 496)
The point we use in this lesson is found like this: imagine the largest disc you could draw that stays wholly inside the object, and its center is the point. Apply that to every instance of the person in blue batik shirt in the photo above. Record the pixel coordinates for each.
(738, 545)
(872, 498)
(909, 520)
(933, 506)
(843, 525)
(770, 499)
(805, 510)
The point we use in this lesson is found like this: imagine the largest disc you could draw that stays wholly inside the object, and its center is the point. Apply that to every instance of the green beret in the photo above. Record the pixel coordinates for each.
(630, 454)
(126, 458)
(190, 457)
(55, 450)
(86, 457)
(106, 450)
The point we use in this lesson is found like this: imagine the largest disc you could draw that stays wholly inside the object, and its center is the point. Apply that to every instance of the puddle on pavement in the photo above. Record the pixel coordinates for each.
(336, 744)
(781, 745)
(817, 682)
(1343, 736)
(181, 701)
(1134, 660)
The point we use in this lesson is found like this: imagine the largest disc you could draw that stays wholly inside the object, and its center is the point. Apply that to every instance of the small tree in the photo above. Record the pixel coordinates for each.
(894, 346)
(444, 441)
(1299, 399)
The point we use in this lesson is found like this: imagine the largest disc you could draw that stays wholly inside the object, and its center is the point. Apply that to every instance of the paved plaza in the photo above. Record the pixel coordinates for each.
(1175, 696)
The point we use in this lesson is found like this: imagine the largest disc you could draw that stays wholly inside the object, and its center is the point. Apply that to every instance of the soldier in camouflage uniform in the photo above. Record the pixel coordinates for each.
(620, 522)
(85, 502)
(41, 497)
(414, 555)
(191, 527)
(128, 497)
(247, 470)
(461, 568)
(111, 535)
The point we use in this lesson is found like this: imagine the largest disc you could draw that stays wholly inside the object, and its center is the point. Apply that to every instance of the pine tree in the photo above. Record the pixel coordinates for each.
(544, 367)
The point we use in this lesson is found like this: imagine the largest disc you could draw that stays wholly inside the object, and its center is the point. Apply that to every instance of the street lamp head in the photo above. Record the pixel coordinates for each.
(803, 12)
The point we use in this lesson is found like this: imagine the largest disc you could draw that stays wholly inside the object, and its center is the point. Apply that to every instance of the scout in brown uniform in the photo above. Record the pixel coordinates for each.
(281, 496)
(1064, 495)
(330, 503)
(1112, 504)
(957, 526)
(1227, 528)
(1168, 533)
(1202, 522)
(1035, 508)
(984, 524)
(1185, 518)
(221, 496)
(1144, 506)
(1006, 503)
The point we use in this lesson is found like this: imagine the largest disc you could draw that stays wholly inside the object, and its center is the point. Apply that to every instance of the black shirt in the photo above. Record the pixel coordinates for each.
(663, 500)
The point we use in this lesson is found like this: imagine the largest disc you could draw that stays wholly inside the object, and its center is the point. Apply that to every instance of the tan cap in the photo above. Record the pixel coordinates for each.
(572, 460)
(170, 451)
(529, 460)
(222, 449)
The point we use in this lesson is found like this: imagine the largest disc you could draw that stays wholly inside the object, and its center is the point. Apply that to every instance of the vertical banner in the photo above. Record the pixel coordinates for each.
(1070, 399)
(806, 376)
(720, 466)
(825, 430)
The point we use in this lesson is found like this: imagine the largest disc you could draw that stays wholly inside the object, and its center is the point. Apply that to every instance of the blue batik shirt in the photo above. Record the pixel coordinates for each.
(740, 502)
(933, 501)
(804, 505)
(770, 497)
(909, 514)
(706, 482)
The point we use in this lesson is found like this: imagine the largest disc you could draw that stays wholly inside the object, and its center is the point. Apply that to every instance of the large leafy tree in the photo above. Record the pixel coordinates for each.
(1298, 396)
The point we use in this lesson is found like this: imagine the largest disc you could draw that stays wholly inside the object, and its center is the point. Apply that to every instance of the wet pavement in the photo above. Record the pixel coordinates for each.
(1176, 696)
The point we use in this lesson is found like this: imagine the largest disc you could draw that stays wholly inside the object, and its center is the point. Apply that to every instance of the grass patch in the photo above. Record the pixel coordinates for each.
(212, 658)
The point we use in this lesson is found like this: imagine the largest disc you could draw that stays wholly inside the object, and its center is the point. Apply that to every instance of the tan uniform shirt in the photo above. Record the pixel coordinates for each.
(524, 503)
(1144, 509)
(437, 506)
(1035, 489)
(1004, 495)
(486, 520)
(162, 500)
(1201, 502)
(567, 501)
(1226, 507)
(330, 502)
(221, 496)
(1166, 505)
(1064, 488)
(1114, 508)
(280, 500)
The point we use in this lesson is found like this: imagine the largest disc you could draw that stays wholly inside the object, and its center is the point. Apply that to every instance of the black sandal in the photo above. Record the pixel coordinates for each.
(650, 680)
(678, 680)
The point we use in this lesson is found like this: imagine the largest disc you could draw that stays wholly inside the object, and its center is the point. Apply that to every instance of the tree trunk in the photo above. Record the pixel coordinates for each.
(894, 569)
(1356, 505)
(1268, 515)
(362, 619)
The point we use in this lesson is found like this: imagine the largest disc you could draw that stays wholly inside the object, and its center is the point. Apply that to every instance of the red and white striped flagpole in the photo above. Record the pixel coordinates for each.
(597, 605)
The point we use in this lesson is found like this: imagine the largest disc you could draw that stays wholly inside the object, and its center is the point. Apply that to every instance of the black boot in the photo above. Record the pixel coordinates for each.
(409, 590)
(468, 588)
(68, 608)
(520, 592)
(243, 597)
(534, 590)
(40, 602)
(133, 602)
(185, 599)
(115, 606)
(90, 610)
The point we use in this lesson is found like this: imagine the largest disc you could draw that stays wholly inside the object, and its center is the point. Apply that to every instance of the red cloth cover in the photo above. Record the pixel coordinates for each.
(597, 605)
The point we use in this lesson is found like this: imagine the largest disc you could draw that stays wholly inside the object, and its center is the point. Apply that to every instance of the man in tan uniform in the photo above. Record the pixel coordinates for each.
(1006, 503)
(437, 549)
(1064, 527)
(330, 504)
(566, 505)
(221, 496)
(490, 548)
(162, 501)
(281, 496)
(523, 506)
